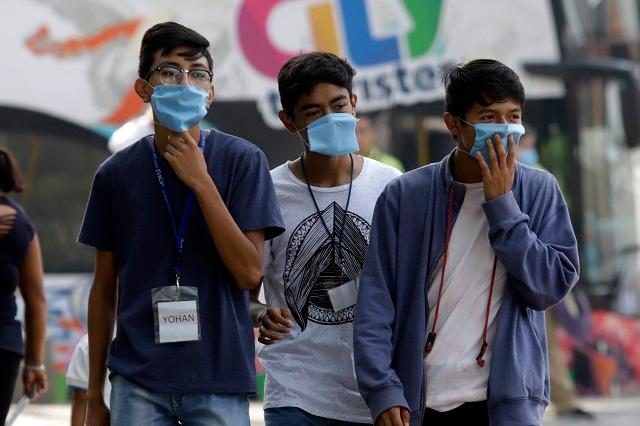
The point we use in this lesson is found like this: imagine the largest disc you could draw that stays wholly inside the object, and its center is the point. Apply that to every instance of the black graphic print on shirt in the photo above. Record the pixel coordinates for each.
(312, 266)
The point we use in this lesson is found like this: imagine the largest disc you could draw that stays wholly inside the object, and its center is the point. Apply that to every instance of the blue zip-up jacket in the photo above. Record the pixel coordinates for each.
(530, 232)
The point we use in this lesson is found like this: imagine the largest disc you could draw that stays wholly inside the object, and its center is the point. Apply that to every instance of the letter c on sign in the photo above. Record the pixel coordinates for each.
(254, 39)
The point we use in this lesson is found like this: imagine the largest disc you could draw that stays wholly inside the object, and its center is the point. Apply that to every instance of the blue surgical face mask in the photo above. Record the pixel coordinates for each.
(529, 156)
(179, 107)
(486, 131)
(333, 134)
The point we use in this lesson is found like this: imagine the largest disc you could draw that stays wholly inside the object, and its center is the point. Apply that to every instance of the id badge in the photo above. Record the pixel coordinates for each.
(176, 314)
(345, 295)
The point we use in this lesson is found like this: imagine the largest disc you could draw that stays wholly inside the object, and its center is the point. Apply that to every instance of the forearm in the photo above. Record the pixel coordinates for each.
(78, 408)
(543, 265)
(238, 253)
(36, 324)
(101, 319)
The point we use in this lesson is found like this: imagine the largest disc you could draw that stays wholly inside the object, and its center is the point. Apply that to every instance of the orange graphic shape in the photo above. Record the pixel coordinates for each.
(39, 43)
(324, 29)
(130, 106)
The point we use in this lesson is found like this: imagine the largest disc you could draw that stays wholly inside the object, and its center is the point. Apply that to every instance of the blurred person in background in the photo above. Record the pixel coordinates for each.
(131, 131)
(178, 221)
(78, 382)
(564, 396)
(367, 139)
(20, 266)
(465, 255)
(527, 150)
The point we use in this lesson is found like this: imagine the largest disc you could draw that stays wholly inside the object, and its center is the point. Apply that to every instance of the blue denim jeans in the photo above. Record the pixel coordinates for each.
(292, 416)
(132, 405)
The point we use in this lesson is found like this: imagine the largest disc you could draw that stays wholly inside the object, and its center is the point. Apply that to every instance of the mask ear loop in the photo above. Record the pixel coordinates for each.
(457, 147)
(297, 132)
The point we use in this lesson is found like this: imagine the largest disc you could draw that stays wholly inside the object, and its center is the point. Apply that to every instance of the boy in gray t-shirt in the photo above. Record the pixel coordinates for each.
(311, 274)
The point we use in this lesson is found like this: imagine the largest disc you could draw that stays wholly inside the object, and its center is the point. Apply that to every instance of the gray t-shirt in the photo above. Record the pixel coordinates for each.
(312, 367)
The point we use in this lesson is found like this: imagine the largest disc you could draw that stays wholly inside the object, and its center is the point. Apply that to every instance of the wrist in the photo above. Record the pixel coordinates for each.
(203, 185)
(93, 395)
(34, 367)
(257, 312)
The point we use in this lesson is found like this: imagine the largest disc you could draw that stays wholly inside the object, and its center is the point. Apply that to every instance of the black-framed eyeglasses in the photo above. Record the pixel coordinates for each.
(171, 75)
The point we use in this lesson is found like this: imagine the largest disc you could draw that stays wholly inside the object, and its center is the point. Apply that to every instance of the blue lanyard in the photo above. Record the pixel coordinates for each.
(186, 211)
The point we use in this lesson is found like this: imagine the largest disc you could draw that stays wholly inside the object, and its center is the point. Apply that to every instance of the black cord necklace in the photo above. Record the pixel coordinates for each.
(338, 248)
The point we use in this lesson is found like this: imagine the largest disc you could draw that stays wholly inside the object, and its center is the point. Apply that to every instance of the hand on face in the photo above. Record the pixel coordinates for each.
(498, 178)
(186, 159)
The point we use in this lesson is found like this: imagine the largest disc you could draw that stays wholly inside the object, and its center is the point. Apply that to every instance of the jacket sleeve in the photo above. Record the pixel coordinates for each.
(373, 328)
(542, 266)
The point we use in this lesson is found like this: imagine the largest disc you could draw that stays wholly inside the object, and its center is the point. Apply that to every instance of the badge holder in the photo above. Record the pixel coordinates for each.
(176, 314)
(345, 295)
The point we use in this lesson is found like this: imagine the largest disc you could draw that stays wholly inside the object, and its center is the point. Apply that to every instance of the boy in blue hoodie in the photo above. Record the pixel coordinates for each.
(464, 257)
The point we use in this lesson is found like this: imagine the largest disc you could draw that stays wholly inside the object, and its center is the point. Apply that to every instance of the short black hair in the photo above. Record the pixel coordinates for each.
(168, 36)
(302, 73)
(484, 81)
(10, 176)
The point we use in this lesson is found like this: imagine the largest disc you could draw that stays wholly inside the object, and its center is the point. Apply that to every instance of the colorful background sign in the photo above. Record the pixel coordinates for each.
(77, 59)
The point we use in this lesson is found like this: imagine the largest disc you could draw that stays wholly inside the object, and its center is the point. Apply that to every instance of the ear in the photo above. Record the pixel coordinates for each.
(212, 95)
(287, 121)
(143, 89)
(453, 124)
(354, 102)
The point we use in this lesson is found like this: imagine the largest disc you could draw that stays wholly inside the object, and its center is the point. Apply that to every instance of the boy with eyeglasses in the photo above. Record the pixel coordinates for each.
(178, 221)
(465, 256)
(312, 270)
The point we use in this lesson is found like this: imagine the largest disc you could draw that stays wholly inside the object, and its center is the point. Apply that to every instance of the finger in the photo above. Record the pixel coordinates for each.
(177, 142)
(286, 313)
(169, 157)
(396, 418)
(406, 416)
(384, 420)
(172, 148)
(511, 157)
(484, 168)
(502, 155)
(273, 335)
(36, 391)
(265, 341)
(186, 137)
(269, 324)
(42, 383)
(275, 315)
(492, 153)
